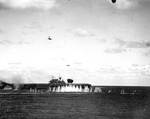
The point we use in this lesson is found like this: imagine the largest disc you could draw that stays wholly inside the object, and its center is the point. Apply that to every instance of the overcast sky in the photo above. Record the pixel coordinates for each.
(93, 41)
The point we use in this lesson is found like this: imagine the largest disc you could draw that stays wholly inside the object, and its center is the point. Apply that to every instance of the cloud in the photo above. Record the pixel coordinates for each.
(115, 50)
(4, 42)
(34, 26)
(80, 32)
(131, 44)
(125, 4)
(134, 44)
(117, 45)
(146, 52)
(22, 4)
(1, 31)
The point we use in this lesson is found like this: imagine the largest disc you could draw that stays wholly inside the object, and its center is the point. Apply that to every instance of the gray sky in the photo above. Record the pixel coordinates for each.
(94, 41)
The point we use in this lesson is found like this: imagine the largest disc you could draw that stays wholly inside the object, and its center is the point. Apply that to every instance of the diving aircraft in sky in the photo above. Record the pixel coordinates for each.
(49, 38)
(113, 1)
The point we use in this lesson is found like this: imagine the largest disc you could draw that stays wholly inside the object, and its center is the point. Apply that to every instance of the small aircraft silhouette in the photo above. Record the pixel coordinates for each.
(113, 1)
(68, 65)
(49, 38)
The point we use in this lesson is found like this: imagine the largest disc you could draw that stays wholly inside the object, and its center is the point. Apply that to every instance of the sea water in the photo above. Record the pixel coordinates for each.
(74, 106)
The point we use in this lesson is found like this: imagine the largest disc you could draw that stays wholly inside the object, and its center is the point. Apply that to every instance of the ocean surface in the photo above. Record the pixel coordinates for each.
(74, 106)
